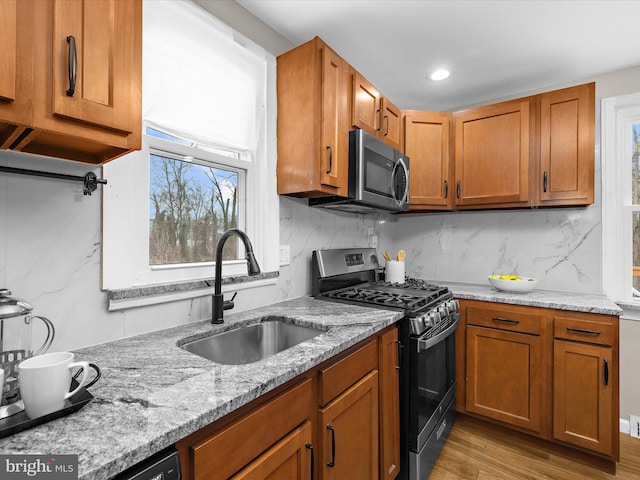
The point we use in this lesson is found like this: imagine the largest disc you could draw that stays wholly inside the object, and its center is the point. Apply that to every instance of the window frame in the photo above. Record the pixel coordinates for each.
(126, 215)
(618, 115)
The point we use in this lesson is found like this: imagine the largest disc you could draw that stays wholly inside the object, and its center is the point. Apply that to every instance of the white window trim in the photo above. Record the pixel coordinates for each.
(126, 214)
(618, 114)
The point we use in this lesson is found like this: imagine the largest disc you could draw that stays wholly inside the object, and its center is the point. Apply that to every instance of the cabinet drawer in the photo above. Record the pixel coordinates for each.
(227, 451)
(601, 331)
(512, 319)
(336, 378)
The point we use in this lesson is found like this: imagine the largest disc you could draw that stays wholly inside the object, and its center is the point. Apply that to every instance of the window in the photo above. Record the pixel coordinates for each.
(208, 157)
(192, 201)
(621, 197)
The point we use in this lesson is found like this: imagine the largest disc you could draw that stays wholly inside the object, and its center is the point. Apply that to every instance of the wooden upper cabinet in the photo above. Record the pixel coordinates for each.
(101, 119)
(567, 124)
(426, 143)
(8, 53)
(93, 62)
(366, 105)
(16, 19)
(374, 113)
(314, 95)
(492, 155)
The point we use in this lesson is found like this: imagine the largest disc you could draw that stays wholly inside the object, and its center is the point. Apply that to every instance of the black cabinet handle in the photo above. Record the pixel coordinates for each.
(399, 345)
(330, 159)
(446, 189)
(506, 320)
(313, 462)
(606, 372)
(332, 463)
(544, 181)
(72, 64)
(582, 330)
(387, 130)
(458, 189)
(379, 115)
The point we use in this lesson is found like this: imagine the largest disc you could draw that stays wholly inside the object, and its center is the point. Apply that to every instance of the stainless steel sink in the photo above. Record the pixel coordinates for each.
(251, 343)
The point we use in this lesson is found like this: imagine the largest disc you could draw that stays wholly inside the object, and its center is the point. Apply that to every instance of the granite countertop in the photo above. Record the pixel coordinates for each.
(579, 302)
(152, 393)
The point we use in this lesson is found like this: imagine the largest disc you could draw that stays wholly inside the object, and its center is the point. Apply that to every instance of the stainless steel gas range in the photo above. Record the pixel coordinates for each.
(426, 341)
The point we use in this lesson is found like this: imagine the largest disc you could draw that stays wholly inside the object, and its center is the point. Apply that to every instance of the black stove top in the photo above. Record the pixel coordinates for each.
(413, 296)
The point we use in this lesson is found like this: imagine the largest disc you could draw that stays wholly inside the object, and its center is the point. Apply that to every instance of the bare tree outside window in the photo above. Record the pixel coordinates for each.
(190, 207)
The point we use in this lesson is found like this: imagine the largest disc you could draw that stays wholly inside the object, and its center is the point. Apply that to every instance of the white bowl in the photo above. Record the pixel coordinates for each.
(526, 285)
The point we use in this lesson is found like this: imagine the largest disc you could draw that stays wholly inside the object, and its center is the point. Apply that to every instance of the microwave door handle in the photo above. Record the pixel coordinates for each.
(394, 172)
(405, 194)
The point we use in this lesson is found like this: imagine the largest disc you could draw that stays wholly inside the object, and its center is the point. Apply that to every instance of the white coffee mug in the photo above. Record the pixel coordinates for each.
(45, 381)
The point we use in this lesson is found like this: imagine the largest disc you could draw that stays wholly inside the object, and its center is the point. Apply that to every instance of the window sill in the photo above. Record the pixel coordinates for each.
(170, 292)
(631, 310)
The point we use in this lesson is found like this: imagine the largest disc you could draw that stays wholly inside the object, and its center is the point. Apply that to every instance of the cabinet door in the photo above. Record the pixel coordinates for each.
(96, 87)
(391, 124)
(504, 379)
(492, 155)
(426, 143)
(16, 25)
(389, 405)
(349, 432)
(289, 459)
(584, 382)
(567, 124)
(366, 105)
(8, 53)
(334, 167)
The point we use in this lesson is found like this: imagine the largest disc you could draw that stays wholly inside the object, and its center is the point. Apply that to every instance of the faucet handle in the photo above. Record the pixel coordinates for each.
(228, 304)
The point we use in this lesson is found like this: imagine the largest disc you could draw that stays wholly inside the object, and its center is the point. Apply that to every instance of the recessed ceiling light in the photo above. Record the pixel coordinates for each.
(440, 74)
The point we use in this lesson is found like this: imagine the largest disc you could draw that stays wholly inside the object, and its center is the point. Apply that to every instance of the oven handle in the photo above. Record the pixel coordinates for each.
(430, 342)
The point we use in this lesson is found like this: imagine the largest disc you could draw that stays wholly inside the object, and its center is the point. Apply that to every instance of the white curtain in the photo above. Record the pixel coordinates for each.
(198, 82)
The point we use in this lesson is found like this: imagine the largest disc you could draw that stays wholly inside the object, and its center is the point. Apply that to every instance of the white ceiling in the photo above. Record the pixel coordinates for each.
(494, 49)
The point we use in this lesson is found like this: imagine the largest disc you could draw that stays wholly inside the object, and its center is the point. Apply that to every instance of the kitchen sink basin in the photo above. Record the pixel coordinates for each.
(251, 343)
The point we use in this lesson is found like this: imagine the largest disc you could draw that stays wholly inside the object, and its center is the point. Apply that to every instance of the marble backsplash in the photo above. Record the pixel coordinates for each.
(50, 252)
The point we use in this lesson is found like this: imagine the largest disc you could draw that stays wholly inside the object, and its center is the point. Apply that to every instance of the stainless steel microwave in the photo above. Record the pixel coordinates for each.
(378, 178)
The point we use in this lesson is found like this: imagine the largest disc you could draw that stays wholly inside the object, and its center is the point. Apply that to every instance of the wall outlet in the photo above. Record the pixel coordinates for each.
(285, 255)
(634, 426)
(373, 241)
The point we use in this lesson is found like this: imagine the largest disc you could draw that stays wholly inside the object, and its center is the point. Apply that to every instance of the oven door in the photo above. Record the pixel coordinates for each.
(432, 385)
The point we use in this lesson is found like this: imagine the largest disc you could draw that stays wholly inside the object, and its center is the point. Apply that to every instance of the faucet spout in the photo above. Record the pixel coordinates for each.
(218, 304)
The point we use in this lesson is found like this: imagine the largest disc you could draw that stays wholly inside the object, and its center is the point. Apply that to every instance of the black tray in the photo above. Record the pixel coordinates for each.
(19, 422)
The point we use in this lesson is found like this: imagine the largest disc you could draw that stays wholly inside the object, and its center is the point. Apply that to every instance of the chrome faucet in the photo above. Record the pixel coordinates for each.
(219, 304)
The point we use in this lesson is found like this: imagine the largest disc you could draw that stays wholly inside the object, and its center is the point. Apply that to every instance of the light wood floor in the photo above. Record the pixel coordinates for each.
(476, 453)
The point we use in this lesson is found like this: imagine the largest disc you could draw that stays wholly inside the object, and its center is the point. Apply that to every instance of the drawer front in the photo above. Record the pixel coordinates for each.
(341, 375)
(514, 320)
(599, 330)
(225, 452)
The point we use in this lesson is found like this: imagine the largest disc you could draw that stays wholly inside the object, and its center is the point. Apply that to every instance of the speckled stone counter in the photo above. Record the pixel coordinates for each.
(152, 393)
(579, 302)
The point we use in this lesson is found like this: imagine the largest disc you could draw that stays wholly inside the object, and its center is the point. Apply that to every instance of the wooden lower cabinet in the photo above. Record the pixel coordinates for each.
(323, 424)
(349, 426)
(553, 374)
(389, 404)
(504, 376)
(583, 395)
(291, 458)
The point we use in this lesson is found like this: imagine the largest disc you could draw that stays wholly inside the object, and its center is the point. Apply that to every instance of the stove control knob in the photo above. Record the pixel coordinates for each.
(454, 305)
(434, 318)
(443, 310)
